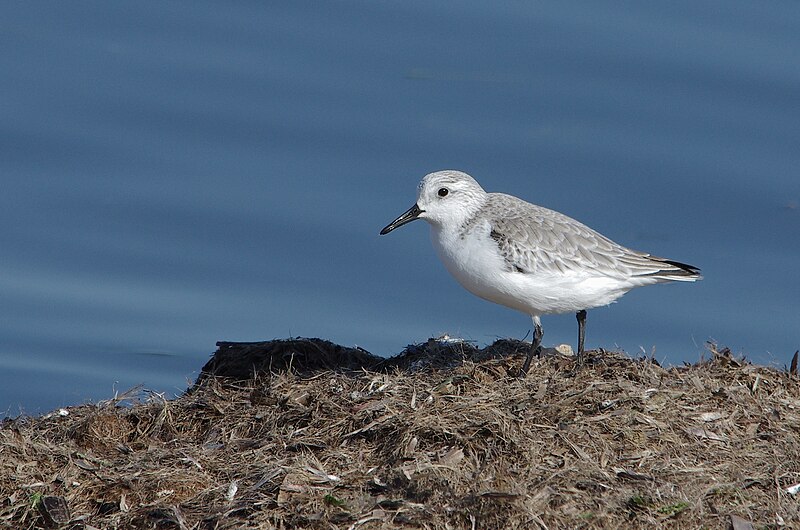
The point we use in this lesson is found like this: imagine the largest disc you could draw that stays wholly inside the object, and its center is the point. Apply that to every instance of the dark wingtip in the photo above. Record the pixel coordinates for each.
(690, 270)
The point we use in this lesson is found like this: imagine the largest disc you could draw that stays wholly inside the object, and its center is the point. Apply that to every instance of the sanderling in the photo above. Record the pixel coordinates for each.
(527, 257)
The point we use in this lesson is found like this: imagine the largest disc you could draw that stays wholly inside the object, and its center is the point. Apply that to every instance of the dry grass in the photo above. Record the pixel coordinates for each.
(454, 441)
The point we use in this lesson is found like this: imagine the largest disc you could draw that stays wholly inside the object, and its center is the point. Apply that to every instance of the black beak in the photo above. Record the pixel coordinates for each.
(410, 215)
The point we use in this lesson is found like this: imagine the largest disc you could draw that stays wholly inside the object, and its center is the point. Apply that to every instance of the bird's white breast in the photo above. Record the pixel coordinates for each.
(474, 260)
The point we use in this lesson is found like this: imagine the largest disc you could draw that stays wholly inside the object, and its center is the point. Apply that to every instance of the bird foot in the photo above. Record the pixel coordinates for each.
(537, 352)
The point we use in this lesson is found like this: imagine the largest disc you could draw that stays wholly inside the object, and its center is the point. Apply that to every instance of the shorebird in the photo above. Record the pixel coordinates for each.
(528, 257)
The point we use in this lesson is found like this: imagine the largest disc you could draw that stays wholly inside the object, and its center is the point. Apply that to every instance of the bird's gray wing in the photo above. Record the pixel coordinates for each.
(534, 239)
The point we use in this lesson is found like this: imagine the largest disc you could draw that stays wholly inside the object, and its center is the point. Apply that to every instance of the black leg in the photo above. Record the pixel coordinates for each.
(536, 346)
(581, 315)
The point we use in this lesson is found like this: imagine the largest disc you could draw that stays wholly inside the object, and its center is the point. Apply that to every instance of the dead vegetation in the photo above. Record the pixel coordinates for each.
(443, 436)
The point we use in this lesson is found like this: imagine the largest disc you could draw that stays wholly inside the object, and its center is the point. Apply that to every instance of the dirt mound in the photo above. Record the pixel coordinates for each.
(242, 360)
(423, 443)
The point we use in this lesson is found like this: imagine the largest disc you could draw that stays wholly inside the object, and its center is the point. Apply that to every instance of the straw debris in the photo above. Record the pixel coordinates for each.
(308, 434)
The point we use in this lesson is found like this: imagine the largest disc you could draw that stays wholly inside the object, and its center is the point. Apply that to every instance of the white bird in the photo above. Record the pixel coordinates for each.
(527, 257)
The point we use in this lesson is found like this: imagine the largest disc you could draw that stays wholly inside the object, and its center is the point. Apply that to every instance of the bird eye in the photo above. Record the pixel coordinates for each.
(443, 192)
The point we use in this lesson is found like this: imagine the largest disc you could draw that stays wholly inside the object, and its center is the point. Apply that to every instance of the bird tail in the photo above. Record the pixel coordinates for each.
(674, 271)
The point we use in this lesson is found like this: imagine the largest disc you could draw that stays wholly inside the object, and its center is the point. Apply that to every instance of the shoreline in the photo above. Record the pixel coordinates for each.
(306, 433)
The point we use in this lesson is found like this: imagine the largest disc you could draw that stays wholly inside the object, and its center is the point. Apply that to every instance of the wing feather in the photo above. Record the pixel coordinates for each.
(533, 239)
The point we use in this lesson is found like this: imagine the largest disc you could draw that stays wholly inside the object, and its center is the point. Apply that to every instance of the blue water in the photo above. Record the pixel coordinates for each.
(177, 173)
